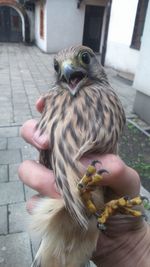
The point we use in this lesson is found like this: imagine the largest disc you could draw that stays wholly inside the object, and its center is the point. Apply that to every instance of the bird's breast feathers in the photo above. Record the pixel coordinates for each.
(94, 117)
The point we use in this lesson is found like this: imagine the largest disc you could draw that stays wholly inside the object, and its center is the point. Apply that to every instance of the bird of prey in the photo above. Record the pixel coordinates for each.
(82, 115)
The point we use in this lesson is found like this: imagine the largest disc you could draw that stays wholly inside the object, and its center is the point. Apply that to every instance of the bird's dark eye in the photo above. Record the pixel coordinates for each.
(85, 56)
(56, 65)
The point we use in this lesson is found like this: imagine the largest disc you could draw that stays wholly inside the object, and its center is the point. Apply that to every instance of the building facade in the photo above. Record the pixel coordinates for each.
(16, 21)
(59, 24)
(55, 24)
(128, 47)
(125, 34)
(116, 29)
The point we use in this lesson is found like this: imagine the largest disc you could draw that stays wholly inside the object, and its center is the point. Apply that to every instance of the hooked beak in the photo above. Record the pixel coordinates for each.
(72, 77)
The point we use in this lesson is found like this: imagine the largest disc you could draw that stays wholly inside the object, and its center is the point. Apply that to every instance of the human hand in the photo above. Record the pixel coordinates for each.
(121, 178)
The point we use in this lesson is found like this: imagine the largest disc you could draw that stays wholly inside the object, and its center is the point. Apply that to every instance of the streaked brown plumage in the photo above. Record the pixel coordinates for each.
(82, 115)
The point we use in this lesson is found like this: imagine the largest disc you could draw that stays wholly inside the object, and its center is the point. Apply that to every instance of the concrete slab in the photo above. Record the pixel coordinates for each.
(3, 143)
(3, 220)
(15, 250)
(10, 156)
(3, 173)
(8, 131)
(18, 218)
(11, 192)
(16, 143)
(13, 172)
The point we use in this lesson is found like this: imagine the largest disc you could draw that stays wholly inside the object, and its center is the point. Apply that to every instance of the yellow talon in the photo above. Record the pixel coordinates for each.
(134, 213)
(108, 211)
(91, 170)
(91, 207)
(102, 220)
(87, 184)
(91, 178)
(87, 178)
(123, 205)
(120, 205)
(136, 201)
(83, 182)
(96, 179)
(122, 202)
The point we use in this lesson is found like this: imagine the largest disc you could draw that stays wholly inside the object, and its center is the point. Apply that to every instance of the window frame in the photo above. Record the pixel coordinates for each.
(139, 24)
(41, 22)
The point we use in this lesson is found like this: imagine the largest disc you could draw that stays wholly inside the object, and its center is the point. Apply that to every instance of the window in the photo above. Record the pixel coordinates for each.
(139, 24)
(42, 23)
(15, 22)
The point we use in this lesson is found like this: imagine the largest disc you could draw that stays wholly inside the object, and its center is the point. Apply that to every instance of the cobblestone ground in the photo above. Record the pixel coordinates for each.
(25, 73)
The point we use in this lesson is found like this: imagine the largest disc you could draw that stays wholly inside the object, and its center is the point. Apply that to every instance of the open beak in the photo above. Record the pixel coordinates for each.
(72, 76)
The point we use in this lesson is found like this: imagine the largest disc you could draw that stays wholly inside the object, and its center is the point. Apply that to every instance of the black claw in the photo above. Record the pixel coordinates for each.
(96, 215)
(101, 226)
(127, 198)
(145, 198)
(94, 162)
(88, 174)
(102, 171)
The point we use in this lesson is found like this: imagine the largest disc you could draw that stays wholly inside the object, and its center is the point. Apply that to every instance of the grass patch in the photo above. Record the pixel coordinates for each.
(134, 149)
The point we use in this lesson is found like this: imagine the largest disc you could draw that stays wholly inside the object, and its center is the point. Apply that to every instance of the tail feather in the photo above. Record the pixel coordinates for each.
(67, 184)
(44, 213)
(42, 219)
(61, 237)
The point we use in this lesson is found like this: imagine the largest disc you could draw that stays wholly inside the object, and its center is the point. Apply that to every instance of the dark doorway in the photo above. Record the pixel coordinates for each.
(93, 26)
(10, 25)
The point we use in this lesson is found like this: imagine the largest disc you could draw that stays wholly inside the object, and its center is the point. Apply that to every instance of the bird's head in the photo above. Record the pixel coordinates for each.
(76, 67)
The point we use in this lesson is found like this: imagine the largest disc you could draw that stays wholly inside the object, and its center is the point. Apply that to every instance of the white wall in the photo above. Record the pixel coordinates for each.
(41, 42)
(64, 24)
(119, 54)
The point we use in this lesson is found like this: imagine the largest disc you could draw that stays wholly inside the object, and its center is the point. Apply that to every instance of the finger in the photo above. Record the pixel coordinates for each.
(39, 178)
(32, 203)
(32, 136)
(40, 103)
(111, 163)
(122, 179)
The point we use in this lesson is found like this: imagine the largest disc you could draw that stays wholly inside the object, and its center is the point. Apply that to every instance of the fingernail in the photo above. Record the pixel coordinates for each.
(41, 98)
(32, 203)
(41, 140)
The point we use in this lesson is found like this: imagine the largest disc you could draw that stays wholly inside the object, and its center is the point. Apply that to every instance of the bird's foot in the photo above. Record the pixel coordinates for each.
(92, 178)
(89, 182)
(122, 205)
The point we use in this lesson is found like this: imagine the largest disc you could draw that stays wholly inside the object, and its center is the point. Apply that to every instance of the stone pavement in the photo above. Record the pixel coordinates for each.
(25, 73)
